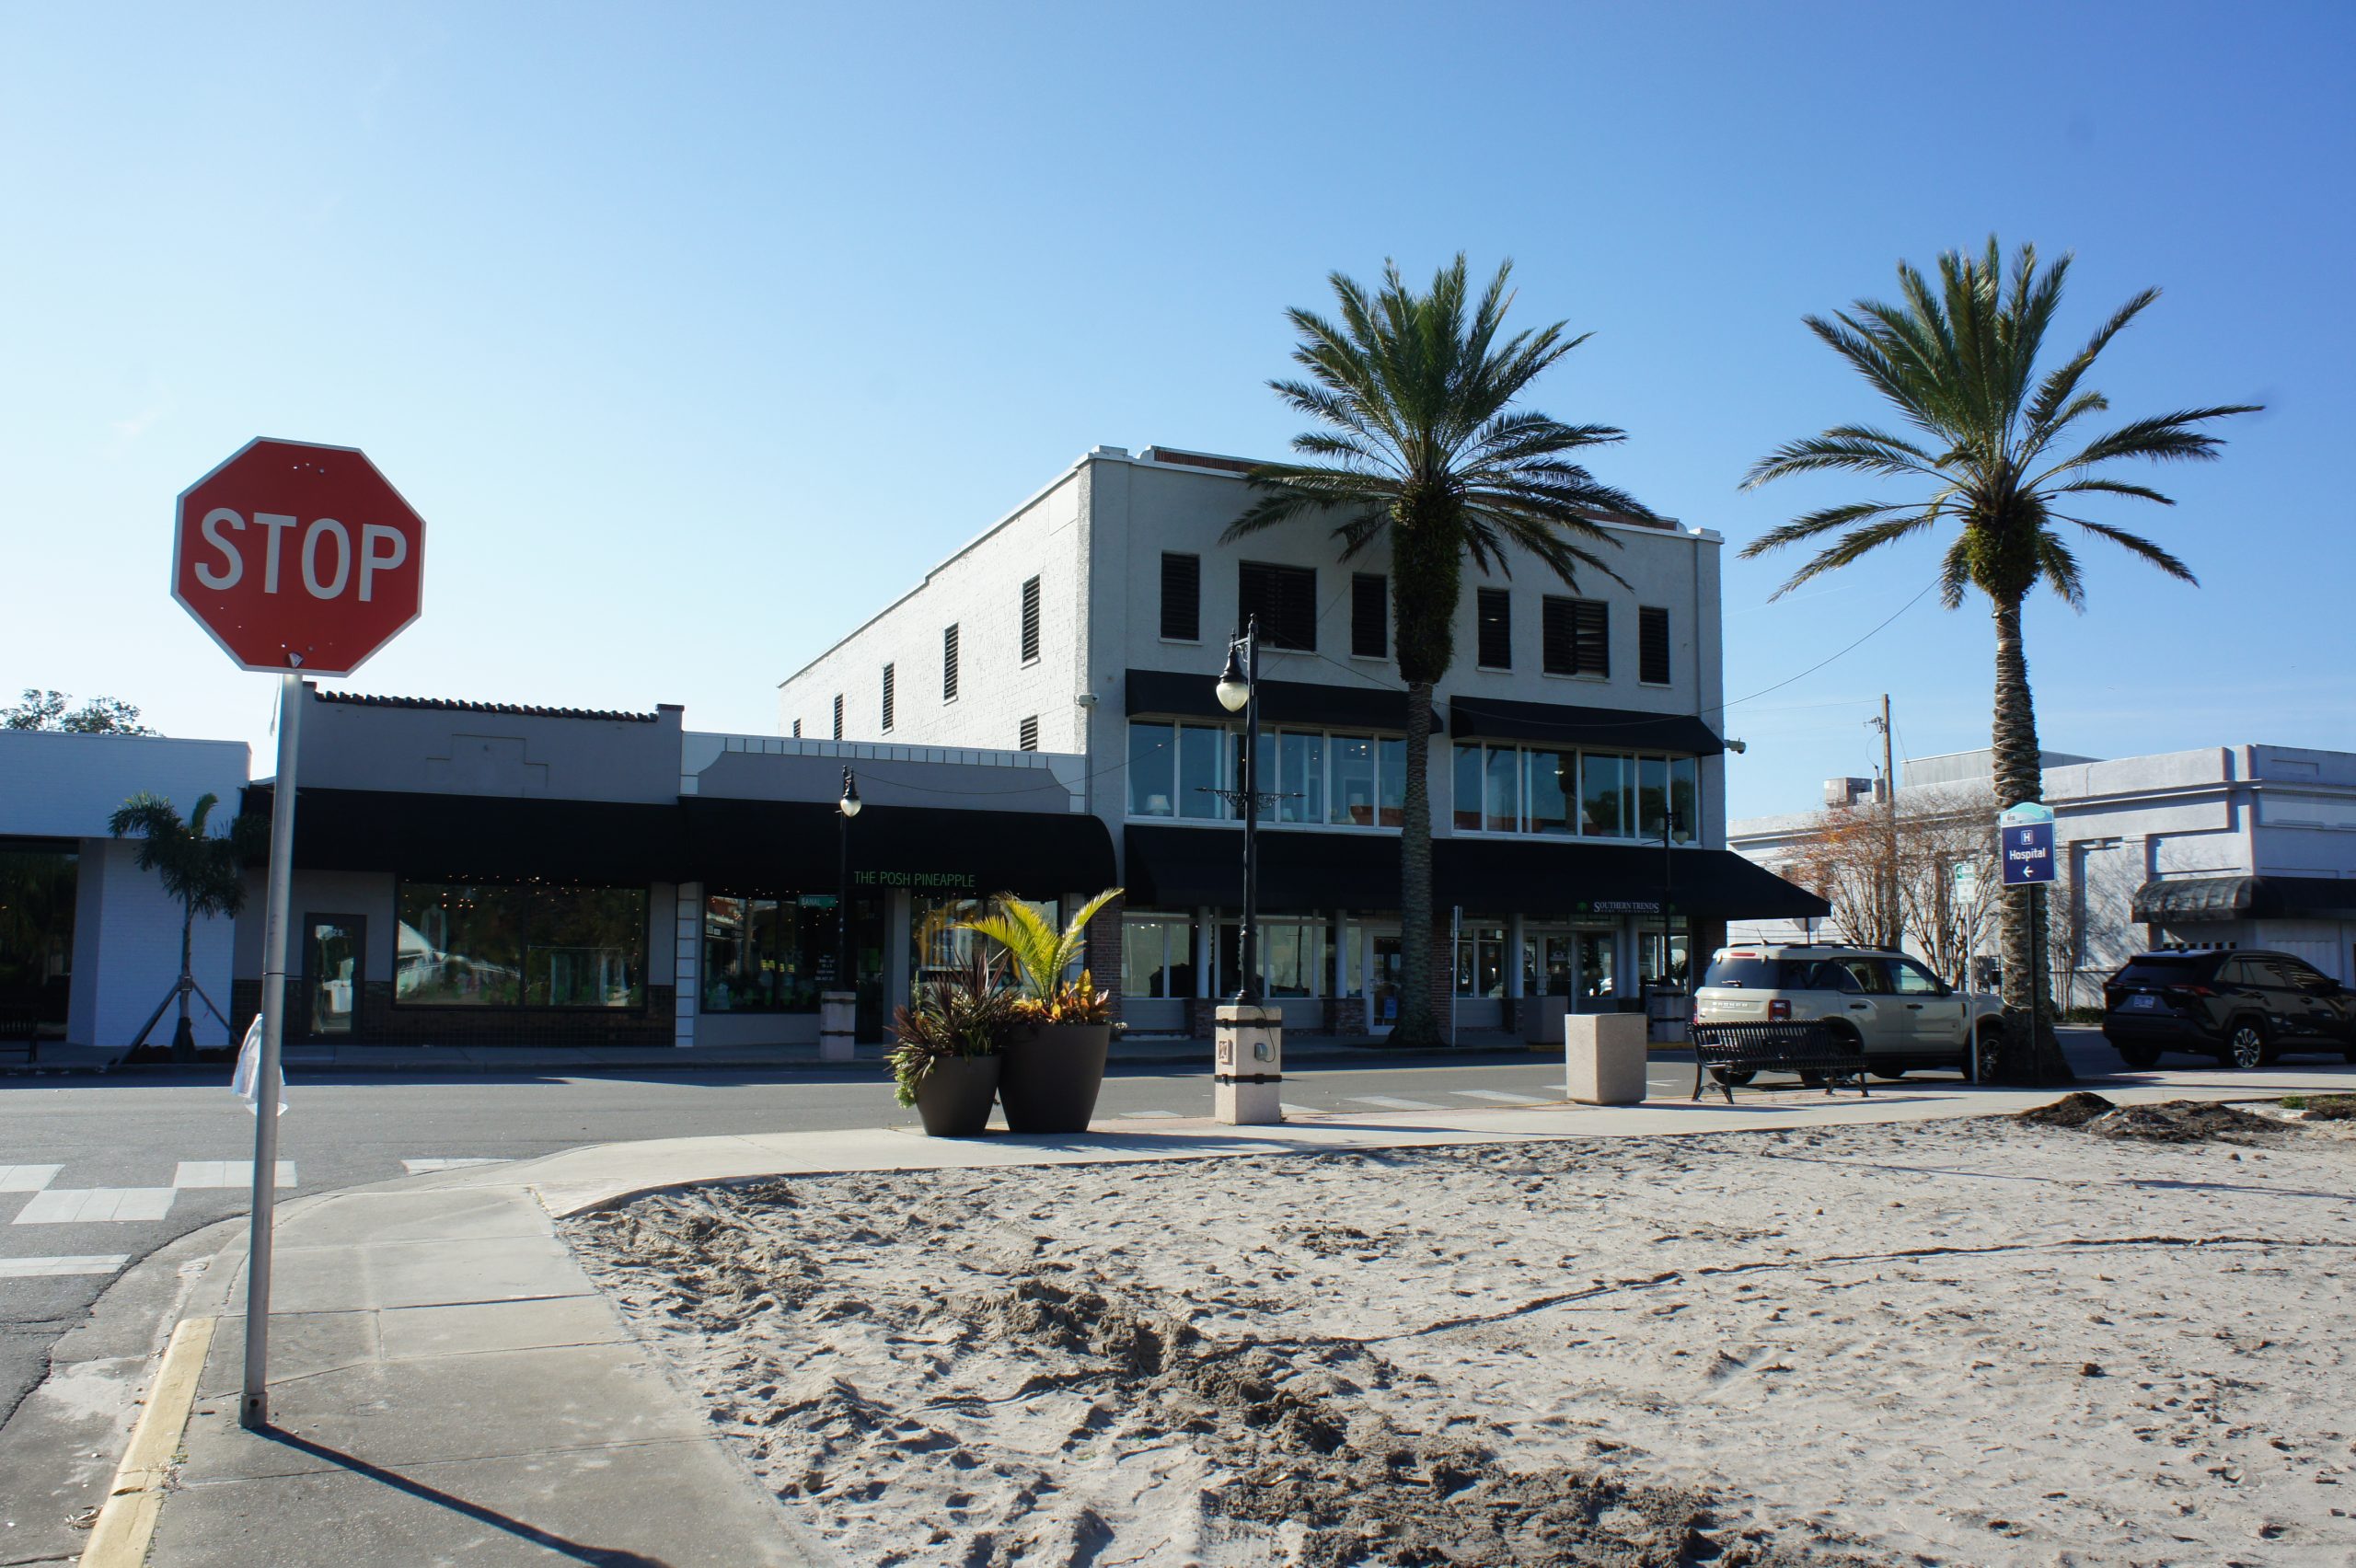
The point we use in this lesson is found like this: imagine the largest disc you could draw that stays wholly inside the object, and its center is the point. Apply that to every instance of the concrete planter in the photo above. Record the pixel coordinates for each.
(954, 1099)
(1603, 1058)
(1051, 1077)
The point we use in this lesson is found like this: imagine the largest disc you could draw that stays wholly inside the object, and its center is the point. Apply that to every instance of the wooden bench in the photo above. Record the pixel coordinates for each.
(1733, 1053)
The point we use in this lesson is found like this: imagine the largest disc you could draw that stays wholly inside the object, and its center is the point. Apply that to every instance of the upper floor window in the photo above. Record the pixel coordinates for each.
(1319, 779)
(1026, 735)
(1182, 597)
(1561, 792)
(1576, 634)
(1494, 612)
(838, 716)
(1652, 645)
(797, 728)
(1369, 616)
(887, 700)
(949, 663)
(1282, 600)
(1030, 619)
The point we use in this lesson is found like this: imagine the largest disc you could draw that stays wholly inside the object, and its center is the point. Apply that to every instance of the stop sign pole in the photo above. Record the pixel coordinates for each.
(298, 560)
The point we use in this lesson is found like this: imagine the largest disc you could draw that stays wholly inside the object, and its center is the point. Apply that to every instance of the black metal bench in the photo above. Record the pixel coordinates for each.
(1734, 1052)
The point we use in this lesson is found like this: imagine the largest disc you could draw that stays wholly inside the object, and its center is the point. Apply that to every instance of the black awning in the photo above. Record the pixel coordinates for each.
(1497, 718)
(1301, 870)
(797, 844)
(1182, 694)
(481, 837)
(2191, 900)
(1565, 879)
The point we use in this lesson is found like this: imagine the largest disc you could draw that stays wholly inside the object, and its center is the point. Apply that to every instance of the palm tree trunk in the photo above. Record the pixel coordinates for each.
(2031, 1054)
(1416, 1025)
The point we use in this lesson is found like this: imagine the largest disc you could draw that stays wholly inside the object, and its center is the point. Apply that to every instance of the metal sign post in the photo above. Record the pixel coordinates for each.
(2025, 856)
(253, 1410)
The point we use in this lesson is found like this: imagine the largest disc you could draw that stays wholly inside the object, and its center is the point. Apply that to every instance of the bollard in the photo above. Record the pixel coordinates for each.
(1603, 1058)
(1248, 1074)
(837, 1022)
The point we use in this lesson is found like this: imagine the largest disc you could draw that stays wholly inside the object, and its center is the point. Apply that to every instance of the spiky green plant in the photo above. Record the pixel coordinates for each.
(1423, 453)
(963, 1012)
(1041, 954)
(1996, 445)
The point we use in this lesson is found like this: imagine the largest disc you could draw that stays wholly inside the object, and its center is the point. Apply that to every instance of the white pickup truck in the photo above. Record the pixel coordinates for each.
(1905, 1016)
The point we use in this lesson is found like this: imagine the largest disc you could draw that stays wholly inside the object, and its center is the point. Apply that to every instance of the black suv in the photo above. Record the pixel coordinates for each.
(2239, 1005)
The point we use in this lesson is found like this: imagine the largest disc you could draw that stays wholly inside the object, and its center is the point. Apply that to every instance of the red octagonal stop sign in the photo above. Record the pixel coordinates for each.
(297, 557)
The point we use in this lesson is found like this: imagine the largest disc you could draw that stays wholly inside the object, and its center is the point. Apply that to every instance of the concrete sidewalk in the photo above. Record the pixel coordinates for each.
(451, 1389)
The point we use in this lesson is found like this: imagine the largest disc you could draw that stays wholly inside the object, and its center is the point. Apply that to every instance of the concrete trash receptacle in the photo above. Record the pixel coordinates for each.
(1603, 1058)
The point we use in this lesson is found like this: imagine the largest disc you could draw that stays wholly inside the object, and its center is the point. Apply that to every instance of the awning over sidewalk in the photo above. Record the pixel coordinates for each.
(2191, 900)
(481, 837)
(1301, 872)
(1186, 694)
(797, 844)
(1561, 724)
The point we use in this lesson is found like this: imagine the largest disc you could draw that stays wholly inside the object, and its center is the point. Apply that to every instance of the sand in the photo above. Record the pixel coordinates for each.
(1970, 1342)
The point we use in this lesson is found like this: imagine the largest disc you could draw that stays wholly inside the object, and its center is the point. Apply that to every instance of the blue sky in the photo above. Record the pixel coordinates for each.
(697, 332)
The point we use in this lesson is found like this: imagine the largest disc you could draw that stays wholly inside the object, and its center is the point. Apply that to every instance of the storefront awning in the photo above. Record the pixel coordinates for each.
(760, 844)
(1184, 694)
(2191, 900)
(1301, 872)
(1496, 719)
(481, 837)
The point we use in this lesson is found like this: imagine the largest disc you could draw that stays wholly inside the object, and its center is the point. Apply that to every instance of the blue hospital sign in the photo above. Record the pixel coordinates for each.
(2025, 840)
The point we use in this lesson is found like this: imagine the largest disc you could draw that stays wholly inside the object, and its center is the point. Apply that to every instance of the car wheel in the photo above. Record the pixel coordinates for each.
(1987, 1048)
(2246, 1046)
(1733, 1077)
(2140, 1058)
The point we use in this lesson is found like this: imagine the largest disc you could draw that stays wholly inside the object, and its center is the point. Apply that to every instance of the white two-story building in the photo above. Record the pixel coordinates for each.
(1577, 733)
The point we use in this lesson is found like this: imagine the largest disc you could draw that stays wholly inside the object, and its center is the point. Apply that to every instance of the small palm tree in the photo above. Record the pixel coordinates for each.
(1992, 442)
(204, 871)
(1041, 954)
(1423, 452)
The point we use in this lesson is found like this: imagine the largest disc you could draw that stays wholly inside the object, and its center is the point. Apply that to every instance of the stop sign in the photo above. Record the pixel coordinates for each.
(297, 557)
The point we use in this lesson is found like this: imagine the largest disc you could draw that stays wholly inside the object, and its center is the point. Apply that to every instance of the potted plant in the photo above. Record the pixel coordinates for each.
(950, 1043)
(1054, 1062)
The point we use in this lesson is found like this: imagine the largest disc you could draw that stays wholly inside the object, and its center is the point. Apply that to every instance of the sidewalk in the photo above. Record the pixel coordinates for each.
(452, 1389)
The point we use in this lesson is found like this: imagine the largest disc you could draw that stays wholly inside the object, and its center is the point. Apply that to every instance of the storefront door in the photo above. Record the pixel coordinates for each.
(333, 951)
(1382, 980)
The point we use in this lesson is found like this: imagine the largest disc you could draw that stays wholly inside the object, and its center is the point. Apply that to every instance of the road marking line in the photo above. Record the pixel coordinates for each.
(419, 1167)
(78, 1206)
(1393, 1103)
(127, 1520)
(1170, 1114)
(1300, 1110)
(210, 1173)
(27, 1178)
(45, 1268)
(1501, 1095)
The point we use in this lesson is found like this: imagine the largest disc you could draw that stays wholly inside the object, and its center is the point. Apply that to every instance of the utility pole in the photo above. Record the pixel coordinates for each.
(1893, 924)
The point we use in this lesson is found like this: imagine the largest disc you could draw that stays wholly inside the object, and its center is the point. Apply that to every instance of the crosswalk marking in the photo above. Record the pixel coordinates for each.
(77, 1206)
(45, 1268)
(419, 1167)
(1501, 1095)
(225, 1173)
(1300, 1110)
(1391, 1103)
(27, 1178)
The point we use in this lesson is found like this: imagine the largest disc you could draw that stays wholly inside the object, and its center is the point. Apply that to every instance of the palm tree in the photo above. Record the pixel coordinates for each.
(205, 872)
(1420, 450)
(1991, 442)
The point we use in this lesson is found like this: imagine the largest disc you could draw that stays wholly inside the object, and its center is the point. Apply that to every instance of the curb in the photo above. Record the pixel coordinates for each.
(126, 1522)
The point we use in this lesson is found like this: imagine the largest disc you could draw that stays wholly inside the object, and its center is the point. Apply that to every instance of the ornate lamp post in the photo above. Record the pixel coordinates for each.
(1239, 692)
(846, 809)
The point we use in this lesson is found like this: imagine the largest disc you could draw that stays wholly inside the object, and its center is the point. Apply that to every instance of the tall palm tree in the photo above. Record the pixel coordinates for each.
(1422, 451)
(203, 871)
(1992, 441)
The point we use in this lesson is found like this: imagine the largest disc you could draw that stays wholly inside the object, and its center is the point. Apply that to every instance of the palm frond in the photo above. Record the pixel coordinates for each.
(2138, 545)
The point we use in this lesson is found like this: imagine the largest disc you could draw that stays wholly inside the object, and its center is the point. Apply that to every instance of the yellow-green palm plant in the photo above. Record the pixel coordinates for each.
(1424, 454)
(1042, 956)
(1992, 442)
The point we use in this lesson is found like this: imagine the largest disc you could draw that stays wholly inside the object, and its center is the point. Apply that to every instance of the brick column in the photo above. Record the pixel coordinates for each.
(1104, 952)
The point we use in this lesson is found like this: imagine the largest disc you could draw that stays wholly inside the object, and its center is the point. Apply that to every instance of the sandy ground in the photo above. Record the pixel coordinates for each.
(1974, 1341)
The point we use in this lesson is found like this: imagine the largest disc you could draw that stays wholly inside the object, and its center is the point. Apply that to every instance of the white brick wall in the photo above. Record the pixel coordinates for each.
(127, 953)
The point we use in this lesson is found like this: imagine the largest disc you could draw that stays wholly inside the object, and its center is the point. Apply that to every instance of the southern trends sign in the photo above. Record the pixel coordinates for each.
(2025, 835)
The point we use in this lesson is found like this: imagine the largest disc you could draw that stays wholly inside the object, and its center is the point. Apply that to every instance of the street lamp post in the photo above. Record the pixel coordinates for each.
(1239, 691)
(846, 809)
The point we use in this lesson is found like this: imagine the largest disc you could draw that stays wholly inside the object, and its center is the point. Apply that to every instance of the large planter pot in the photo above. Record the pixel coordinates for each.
(1051, 1077)
(954, 1099)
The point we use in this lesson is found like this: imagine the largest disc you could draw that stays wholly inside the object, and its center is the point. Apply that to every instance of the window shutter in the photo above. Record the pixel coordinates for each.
(1591, 637)
(1283, 599)
(887, 700)
(797, 728)
(1182, 597)
(838, 716)
(1030, 620)
(1652, 645)
(1494, 610)
(1027, 736)
(1369, 616)
(948, 664)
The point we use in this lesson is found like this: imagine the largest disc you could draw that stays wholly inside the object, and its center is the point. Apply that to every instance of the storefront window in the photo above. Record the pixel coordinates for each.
(464, 944)
(1353, 799)
(1603, 795)
(1684, 795)
(1562, 793)
(936, 941)
(1501, 796)
(761, 953)
(1468, 788)
(1481, 961)
(1553, 778)
(1200, 772)
(1393, 782)
(1595, 953)
(37, 895)
(1649, 951)
(1157, 956)
(1153, 765)
(1652, 796)
(1300, 777)
(1296, 958)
